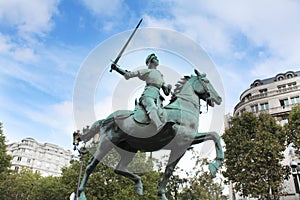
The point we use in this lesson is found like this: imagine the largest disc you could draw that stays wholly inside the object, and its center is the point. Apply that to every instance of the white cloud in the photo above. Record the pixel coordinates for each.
(17, 52)
(257, 39)
(57, 116)
(29, 16)
(24, 21)
(105, 8)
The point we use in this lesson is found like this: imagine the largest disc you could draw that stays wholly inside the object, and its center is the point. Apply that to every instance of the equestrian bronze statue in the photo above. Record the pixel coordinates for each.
(131, 131)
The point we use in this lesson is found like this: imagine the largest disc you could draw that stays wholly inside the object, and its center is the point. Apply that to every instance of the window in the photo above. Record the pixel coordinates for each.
(281, 88)
(16, 168)
(248, 96)
(19, 158)
(280, 78)
(264, 106)
(28, 160)
(290, 85)
(254, 108)
(243, 110)
(284, 120)
(284, 103)
(295, 100)
(263, 91)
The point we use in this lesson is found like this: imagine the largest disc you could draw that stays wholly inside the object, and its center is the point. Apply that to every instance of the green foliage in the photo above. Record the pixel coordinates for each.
(50, 187)
(104, 183)
(200, 184)
(4, 158)
(254, 147)
(18, 186)
(4, 162)
(293, 127)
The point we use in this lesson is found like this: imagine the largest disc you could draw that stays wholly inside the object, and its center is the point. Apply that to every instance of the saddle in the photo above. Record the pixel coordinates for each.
(140, 114)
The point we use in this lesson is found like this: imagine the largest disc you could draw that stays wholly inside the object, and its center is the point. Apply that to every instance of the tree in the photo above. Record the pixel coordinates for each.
(104, 183)
(19, 185)
(49, 187)
(199, 184)
(4, 158)
(293, 127)
(254, 147)
(4, 162)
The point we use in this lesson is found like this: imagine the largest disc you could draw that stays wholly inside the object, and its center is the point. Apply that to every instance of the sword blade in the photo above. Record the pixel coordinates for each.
(126, 44)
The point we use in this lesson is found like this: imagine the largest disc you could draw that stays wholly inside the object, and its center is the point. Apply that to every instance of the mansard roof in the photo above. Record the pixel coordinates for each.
(278, 77)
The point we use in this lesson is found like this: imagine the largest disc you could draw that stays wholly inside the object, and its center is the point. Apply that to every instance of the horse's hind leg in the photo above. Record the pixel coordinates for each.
(126, 158)
(104, 147)
(168, 172)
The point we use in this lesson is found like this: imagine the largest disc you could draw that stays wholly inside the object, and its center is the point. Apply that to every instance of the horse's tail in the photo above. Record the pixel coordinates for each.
(93, 132)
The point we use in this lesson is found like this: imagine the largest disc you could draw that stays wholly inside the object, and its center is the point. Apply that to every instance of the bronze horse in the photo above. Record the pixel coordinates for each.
(121, 131)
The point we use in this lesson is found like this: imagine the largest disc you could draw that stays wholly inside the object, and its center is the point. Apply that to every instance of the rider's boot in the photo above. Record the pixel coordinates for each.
(153, 115)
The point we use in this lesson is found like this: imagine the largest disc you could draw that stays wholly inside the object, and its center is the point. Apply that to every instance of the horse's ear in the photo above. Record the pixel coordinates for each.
(197, 72)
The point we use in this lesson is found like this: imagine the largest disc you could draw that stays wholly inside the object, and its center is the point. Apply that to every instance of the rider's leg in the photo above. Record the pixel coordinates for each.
(126, 158)
(152, 111)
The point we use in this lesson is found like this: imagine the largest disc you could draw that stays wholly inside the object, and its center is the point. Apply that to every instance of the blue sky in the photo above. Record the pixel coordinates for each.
(44, 43)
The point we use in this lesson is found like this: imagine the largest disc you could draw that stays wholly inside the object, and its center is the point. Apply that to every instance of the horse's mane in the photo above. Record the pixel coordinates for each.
(178, 87)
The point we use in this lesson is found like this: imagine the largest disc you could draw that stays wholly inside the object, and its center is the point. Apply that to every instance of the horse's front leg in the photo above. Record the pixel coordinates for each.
(217, 163)
(168, 173)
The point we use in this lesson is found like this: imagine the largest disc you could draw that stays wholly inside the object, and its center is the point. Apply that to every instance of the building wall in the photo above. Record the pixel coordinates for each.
(47, 159)
(276, 96)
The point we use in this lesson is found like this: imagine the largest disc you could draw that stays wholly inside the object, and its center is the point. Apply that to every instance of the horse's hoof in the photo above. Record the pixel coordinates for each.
(82, 196)
(213, 169)
(163, 196)
(138, 188)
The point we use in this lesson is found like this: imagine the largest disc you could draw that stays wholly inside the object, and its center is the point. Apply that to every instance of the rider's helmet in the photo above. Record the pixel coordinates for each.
(150, 57)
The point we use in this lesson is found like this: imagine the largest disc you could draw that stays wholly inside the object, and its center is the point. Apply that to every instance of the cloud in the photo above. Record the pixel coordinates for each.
(215, 24)
(29, 17)
(105, 8)
(17, 52)
(23, 23)
(58, 116)
(247, 39)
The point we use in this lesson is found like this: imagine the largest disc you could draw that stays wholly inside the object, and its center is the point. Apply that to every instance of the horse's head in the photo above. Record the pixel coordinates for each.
(204, 89)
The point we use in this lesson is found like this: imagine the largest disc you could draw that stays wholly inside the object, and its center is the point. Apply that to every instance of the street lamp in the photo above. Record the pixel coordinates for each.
(296, 175)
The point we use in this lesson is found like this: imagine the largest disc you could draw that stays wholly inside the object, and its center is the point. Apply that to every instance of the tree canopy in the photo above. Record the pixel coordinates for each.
(4, 157)
(104, 183)
(254, 146)
(293, 127)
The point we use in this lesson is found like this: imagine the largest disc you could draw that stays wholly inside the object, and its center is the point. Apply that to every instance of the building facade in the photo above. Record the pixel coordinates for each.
(276, 96)
(46, 159)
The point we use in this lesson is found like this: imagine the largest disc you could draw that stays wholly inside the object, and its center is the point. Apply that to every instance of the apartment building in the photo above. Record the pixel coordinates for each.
(47, 159)
(276, 96)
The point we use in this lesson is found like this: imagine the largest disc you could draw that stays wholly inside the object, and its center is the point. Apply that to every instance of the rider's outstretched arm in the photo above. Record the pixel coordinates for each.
(130, 74)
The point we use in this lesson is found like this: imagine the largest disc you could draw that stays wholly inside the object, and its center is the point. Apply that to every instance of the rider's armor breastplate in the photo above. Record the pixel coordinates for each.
(152, 76)
(154, 81)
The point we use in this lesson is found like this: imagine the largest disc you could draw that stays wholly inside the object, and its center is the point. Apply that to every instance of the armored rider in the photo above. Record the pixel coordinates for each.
(154, 81)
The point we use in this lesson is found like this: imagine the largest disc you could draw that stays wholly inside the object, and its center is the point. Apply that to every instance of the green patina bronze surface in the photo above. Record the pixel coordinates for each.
(180, 121)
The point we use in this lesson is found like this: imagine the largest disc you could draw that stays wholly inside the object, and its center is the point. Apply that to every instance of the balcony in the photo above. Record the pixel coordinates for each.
(248, 99)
